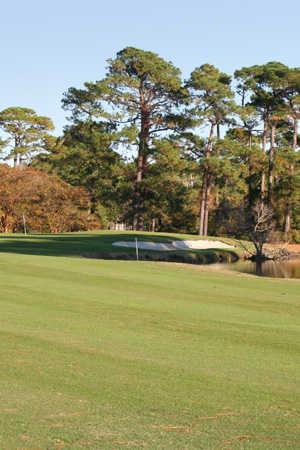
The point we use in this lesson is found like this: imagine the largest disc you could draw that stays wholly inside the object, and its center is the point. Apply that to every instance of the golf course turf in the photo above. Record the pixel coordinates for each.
(105, 354)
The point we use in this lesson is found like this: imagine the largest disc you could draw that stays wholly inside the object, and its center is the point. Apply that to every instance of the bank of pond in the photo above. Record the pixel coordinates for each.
(271, 268)
(216, 259)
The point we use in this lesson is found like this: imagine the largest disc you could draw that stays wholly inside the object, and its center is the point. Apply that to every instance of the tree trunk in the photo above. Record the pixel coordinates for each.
(17, 160)
(202, 205)
(271, 166)
(138, 223)
(287, 218)
(205, 188)
(205, 230)
(139, 197)
(288, 208)
(153, 225)
(250, 175)
(264, 149)
(295, 134)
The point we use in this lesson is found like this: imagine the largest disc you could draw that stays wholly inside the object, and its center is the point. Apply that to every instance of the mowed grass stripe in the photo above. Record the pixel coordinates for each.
(108, 354)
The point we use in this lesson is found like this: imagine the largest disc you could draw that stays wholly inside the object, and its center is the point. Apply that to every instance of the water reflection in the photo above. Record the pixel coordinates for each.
(276, 269)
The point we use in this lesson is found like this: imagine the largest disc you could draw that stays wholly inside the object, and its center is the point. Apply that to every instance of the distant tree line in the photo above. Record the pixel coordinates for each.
(161, 153)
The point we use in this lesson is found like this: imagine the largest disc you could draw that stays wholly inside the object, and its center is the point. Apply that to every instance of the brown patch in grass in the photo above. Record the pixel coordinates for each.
(25, 437)
(247, 437)
(9, 410)
(189, 428)
(59, 444)
(175, 428)
(62, 414)
(132, 444)
(219, 415)
(239, 438)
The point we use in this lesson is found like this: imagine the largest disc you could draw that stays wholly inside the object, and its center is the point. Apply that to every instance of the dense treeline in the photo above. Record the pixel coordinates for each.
(33, 200)
(160, 153)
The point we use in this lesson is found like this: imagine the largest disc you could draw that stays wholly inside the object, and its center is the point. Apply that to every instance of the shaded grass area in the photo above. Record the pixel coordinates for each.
(99, 245)
(119, 354)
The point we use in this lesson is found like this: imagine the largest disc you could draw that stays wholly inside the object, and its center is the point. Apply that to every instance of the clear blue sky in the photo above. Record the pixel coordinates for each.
(47, 47)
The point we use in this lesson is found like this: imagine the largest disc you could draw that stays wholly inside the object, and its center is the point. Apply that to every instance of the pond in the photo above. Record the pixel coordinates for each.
(277, 269)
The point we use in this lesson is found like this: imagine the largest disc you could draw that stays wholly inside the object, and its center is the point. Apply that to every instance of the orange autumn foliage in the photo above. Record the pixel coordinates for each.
(47, 203)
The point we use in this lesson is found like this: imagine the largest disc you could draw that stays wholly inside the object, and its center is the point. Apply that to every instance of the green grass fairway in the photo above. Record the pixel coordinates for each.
(99, 245)
(120, 354)
(89, 244)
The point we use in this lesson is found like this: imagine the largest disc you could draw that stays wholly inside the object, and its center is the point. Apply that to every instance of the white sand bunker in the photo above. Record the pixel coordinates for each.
(174, 245)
